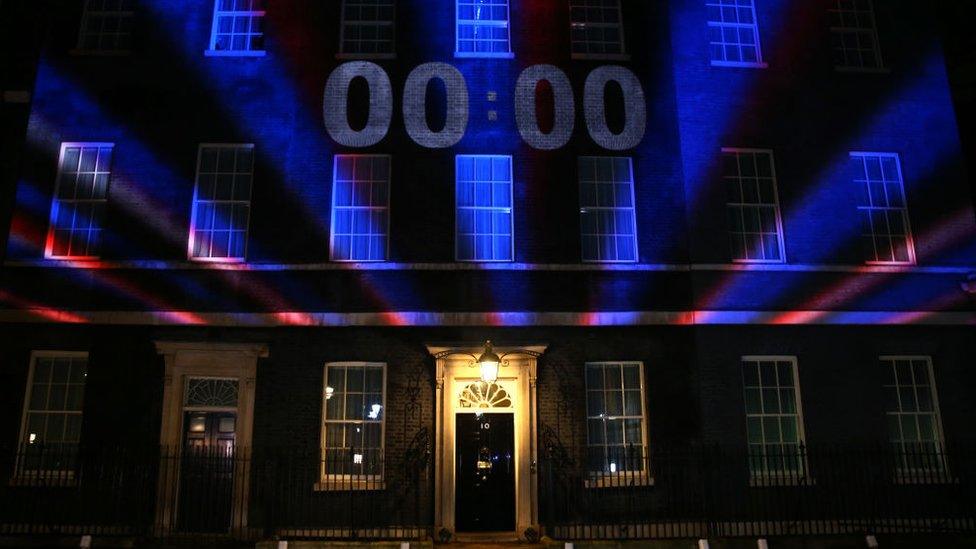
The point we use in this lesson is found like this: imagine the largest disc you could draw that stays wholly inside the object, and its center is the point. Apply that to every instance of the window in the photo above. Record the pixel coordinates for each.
(885, 229)
(106, 26)
(353, 417)
(595, 29)
(367, 28)
(51, 428)
(221, 203)
(609, 230)
(854, 35)
(773, 417)
(238, 28)
(80, 196)
(615, 419)
(912, 409)
(484, 208)
(755, 226)
(733, 33)
(360, 207)
(482, 29)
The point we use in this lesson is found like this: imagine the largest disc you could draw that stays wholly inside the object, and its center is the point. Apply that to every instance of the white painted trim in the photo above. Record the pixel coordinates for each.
(499, 318)
(166, 265)
(453, 373)
(30, 383)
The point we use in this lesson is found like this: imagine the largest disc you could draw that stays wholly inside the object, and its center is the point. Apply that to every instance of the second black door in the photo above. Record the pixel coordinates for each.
(485, 473)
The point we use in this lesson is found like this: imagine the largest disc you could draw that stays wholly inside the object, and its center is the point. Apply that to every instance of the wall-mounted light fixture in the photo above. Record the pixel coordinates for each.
(489, 363)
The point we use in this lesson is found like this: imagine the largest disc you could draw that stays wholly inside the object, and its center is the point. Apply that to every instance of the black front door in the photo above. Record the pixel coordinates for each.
(207, 471)
(485, 473)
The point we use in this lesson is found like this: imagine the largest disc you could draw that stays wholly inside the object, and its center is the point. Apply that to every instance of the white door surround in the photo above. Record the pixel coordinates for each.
(185, 360)
(517, 375)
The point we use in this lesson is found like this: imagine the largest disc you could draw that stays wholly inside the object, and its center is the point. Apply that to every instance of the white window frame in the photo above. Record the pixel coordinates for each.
(80, 49)
(758, 63)
(371, 55)
(621, 56)
(632, 208)
(879, 66)
(511, 208)
(906, 218)
(56, 202)
(778, 212)
(768, 476)
(919, 474)
(22, 474)
(214, 25)
(332, 225)
(601, 479)
(193, 207)
(340, 481)
(487, 23)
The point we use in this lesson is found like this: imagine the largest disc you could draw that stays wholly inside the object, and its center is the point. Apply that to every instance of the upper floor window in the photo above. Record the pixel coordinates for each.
(237, 28)
(615, 422)
(774, 422)
(755, 226)
(607, 220)
(367, 29)
(912, 409)
(80, 197)
(854, 35)
(595, 29)
(106, 26)
(51, 428)
(483, 29)
(353, 420)
(360, 207)
(885, 229)
(733, 33)
(484, 208)
(221, 202)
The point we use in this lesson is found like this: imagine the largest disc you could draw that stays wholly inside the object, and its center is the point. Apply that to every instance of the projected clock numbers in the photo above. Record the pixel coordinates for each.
(336, 96)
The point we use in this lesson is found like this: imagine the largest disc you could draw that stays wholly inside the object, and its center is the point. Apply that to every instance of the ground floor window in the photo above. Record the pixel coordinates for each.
(51, 428)
(912, 410)
(774, 420)
(615, 418)
(353, 420)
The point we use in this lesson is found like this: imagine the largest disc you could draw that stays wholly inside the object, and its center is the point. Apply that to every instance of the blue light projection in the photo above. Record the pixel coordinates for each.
(665, 108)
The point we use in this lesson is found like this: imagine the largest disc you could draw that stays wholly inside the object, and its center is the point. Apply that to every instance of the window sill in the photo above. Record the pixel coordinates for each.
(354, 56)
(890, 263)
(476, 55)
(862, 70)
(924, 478)
(740, 64)
(218, 260)
(600, 56)
(231, 53)
(619, 480)
(772, 481)
(758, 262)
(347, 485)
(45, 479)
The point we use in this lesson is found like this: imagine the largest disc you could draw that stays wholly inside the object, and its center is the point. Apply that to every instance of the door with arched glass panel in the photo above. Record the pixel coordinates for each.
(207, 457)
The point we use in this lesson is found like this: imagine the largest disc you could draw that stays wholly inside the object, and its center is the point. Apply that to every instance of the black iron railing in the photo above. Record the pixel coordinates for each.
(629, 492)
(716, 491)
(222, 491)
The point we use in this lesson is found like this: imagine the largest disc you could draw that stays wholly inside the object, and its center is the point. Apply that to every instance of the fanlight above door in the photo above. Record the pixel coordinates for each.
(483, 394)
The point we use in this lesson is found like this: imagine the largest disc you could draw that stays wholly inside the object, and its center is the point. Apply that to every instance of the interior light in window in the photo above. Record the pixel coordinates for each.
(328, 392)
(357, 458)
(32, 438)
(374, 411)
(613, 467)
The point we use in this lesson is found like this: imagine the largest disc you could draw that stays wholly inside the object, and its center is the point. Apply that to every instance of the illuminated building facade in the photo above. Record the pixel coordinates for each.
(256, 248)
